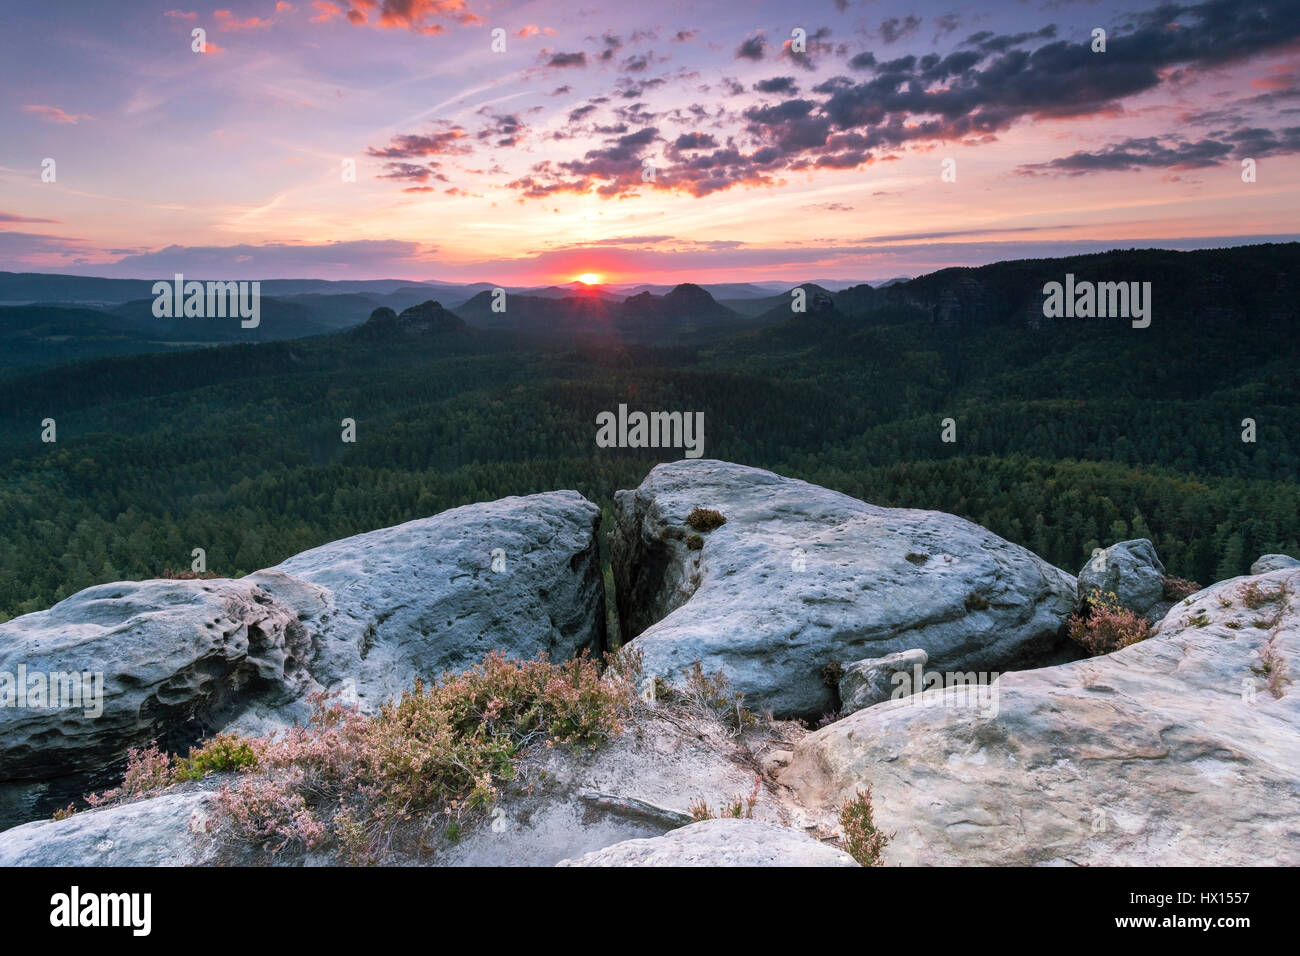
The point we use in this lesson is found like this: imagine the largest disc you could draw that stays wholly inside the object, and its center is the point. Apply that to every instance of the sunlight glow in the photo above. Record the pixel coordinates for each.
(589, 278)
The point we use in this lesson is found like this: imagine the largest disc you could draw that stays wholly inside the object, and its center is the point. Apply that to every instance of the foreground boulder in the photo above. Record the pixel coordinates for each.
(165, 831)
(720, 843)
(799, 577)
(179, 660)
(1132, 572)
(1182, 750)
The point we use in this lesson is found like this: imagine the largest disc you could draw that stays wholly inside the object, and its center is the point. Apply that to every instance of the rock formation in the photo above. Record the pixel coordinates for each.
(1181, 750)
(800, 577)
(184, 659)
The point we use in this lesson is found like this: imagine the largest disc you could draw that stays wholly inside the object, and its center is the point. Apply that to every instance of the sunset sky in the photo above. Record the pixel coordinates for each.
(527, 166)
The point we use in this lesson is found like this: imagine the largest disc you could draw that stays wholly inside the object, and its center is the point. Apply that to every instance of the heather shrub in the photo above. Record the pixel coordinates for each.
(1176, 589)
(147, 769)
(705, 519)
(862, 839)
(1103, 626)
(426, 764)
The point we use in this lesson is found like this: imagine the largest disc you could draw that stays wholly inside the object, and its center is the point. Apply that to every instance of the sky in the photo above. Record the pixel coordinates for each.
(528, 143)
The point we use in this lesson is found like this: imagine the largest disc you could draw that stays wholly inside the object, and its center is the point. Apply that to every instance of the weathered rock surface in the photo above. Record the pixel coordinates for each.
(720, 843)
(1169, 752)
(177, 658)
(800, 576)
(183, 659)
(870, 681)
(1132, 572)
(421, 597)
(163, 831)
(564, 804)
(1273, 562)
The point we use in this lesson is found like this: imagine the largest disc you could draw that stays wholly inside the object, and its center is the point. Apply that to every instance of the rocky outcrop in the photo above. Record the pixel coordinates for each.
(800, 576)
(1181, 750)
(1132, 572)
(168, 830)
(152, 660)
(720, 843)
(1273, 562)
(563, 804)
(871, 681)
(183, 659)
(424, 597)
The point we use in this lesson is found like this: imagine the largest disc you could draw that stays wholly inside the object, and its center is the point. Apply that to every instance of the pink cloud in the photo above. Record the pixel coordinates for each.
(55, 115)
(180, 15)
(327, 11)
(228, 22)
(416, 15)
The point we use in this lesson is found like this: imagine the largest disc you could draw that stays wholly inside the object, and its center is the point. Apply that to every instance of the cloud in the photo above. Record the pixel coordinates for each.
(53, 114)
(419, 16)
(752, 48)
(361, 258)
(227, 22)
(562, 60)
(416, 145)
(894, 29)
(14, 217)
(778, 84)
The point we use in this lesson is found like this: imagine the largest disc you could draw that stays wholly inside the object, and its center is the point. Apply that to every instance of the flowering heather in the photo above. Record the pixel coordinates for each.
(1103, 626)
(424, 765)
(862, 839)
(1178, 589)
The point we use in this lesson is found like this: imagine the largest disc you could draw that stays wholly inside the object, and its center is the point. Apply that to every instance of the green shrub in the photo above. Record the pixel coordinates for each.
(705, 519)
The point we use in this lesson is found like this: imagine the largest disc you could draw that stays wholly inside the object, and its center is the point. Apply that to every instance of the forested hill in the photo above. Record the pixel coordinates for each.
(1069, 434)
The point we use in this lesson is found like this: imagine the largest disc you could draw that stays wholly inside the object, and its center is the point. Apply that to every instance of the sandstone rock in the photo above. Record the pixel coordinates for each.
(724, 843)
(870, 681)
(800, 576)
(1171, 752)
(1129, 569)
(166, 830)
(177, 659)
(1273, 562)
(183, 659)
(421, 597)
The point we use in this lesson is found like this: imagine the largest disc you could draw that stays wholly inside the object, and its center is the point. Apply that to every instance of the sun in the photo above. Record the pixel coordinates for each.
(589, 278)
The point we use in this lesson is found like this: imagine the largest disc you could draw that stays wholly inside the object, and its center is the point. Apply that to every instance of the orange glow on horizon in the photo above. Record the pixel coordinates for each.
(589, 278)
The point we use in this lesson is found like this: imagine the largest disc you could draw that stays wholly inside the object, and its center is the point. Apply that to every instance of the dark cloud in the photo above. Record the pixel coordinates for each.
(753, 48)
(778, 84)
(567, 59)
(503, 129)
(14, 217)
(413, 172)
(894, 28)
(415, 145)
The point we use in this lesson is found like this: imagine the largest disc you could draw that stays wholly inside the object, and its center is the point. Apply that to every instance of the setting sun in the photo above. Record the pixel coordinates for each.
(589, 278)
